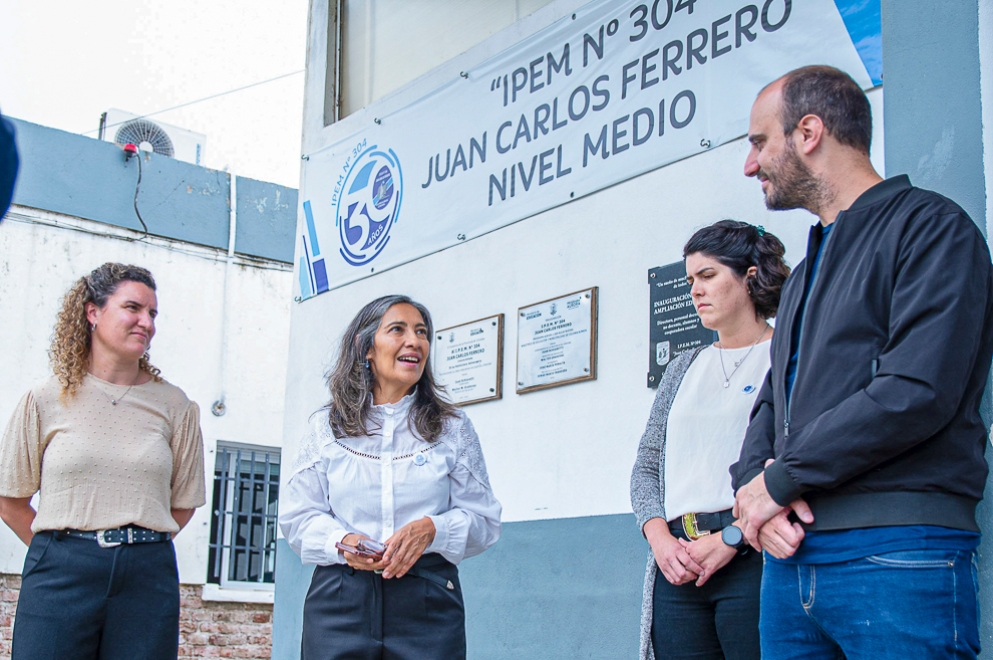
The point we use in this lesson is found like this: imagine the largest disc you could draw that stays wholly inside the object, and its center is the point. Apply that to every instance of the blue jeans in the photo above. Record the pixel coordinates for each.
(901, 605)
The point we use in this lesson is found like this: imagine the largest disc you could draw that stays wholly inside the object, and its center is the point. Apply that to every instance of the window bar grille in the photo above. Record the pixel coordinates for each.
(220, 512)
(249, 518)
(246, 489)
(235, 510)
(264, 540)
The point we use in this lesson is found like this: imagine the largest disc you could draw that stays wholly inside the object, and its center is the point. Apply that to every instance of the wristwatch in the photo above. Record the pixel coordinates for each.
(733, 537)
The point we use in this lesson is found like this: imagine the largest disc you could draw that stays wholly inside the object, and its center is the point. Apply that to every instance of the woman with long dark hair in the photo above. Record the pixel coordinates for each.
(115, 454)
(701, 597)
(389, 494)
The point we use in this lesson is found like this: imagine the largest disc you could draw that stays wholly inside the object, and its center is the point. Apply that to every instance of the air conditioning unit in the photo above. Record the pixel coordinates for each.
(123, 127)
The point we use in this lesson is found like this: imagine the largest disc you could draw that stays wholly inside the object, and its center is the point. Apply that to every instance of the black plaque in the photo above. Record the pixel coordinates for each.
(675, 326)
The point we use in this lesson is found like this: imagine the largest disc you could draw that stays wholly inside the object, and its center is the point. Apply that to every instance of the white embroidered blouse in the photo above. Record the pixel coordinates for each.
(375, 484)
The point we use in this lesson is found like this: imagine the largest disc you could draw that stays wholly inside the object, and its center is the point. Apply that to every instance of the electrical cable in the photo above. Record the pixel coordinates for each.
(206, 98)
(137, 187)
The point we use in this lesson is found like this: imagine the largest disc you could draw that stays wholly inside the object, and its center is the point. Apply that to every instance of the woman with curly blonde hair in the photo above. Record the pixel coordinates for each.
(115, 455)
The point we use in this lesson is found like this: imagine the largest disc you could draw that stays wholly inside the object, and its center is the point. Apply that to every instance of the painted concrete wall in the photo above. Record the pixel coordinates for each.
(559, 459)
(986, 87)
(266, 219)
(86, 178)
(563, 576)
(934, 132)
(985, 29)
(566, 569)
(933, 111)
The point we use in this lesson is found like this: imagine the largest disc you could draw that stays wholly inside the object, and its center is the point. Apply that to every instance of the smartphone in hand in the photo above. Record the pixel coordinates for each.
(365, 548)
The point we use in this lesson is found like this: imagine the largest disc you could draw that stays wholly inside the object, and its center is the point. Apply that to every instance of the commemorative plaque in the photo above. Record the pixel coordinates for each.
(556, 341)
(675, 328)
(468, 360)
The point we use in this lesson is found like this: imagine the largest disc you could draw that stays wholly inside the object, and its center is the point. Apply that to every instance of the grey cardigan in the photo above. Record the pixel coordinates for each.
(647, 485)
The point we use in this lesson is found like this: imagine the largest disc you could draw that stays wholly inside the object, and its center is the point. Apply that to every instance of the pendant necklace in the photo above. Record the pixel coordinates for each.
(737, 363)
(114, 401)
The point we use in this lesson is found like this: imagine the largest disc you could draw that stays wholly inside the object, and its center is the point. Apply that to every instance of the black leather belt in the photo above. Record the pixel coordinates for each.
(695, 525)
(109, 538)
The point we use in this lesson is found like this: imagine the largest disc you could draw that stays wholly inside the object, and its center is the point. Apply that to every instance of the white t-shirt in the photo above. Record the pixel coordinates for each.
(706, 427)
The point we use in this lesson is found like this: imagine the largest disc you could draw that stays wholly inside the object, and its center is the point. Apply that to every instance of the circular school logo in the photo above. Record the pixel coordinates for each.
(369, 204)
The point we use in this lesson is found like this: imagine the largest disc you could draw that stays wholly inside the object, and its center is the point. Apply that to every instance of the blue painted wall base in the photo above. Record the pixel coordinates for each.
(292, 582)
(565, 588)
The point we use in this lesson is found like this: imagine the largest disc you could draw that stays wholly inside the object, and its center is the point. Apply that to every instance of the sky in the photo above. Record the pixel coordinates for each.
(65, 62)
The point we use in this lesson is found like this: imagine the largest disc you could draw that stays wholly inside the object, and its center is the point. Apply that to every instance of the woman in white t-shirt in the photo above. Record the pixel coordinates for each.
(115, 455)
(701, 597)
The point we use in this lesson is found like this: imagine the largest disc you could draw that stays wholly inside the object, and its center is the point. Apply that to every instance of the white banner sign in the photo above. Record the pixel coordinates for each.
(608, 93)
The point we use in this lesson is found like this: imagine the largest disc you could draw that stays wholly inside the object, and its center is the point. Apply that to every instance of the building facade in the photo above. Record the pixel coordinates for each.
(565, 579)
(218, 247)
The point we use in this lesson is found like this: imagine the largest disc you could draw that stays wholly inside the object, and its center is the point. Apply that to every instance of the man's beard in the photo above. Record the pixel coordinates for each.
(791, 183)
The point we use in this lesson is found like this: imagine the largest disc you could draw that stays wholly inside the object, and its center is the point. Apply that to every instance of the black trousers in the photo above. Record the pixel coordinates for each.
(357, 615)
(82, 602)
(716, 621)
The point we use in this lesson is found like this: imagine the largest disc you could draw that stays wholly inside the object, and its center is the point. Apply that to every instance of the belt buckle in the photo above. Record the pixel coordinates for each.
(103, 542)
(690, 528)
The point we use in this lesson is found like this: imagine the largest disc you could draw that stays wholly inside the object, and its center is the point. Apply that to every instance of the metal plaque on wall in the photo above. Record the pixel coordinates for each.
(675, 326)
(468, 360)
(556, 341)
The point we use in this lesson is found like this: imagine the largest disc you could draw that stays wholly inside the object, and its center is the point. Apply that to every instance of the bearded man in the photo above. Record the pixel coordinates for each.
(863, 461)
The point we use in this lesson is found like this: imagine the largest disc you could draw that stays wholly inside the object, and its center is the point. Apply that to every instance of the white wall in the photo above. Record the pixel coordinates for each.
(42, 254)
(566, 451)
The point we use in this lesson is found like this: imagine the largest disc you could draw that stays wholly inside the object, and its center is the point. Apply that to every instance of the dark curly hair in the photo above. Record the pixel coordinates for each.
(739, 246)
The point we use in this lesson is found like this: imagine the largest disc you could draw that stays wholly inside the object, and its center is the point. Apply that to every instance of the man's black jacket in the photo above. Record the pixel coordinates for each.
(883, 424)
(8, 164)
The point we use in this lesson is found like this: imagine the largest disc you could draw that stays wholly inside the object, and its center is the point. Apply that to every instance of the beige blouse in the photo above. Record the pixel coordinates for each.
(97, 465)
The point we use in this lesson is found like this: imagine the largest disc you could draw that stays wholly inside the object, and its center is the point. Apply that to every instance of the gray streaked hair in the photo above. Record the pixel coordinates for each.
(351, 382)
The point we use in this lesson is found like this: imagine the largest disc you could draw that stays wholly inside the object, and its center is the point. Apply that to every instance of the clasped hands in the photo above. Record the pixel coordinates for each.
(764, 523)
(683, 561)
(403, 549)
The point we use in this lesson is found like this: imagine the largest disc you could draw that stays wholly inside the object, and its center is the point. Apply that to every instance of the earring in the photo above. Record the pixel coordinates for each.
(367, 364)
(93, 327)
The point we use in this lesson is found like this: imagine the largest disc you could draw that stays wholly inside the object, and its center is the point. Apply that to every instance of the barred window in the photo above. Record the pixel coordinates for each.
(242, 550)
